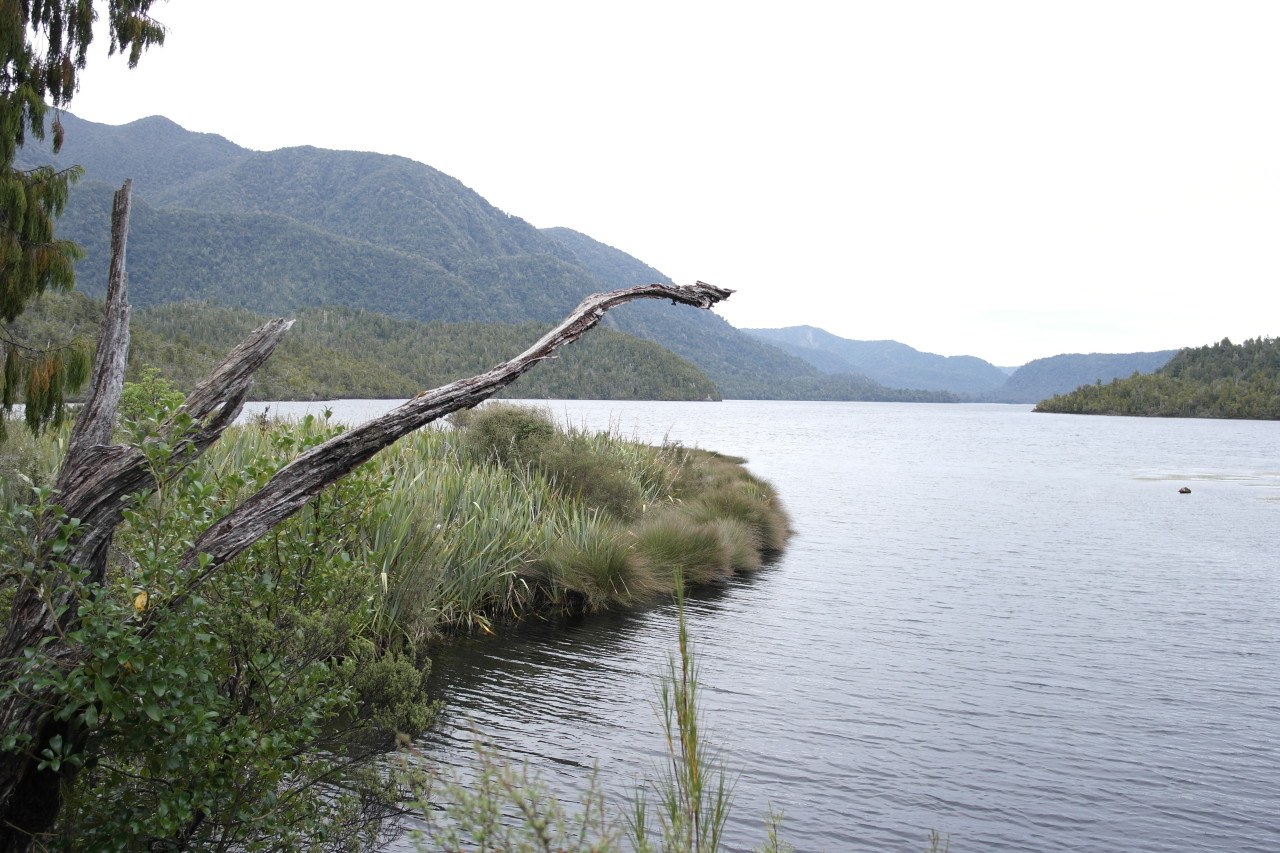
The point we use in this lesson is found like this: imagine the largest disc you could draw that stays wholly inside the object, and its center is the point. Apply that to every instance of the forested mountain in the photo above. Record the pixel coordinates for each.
(334, 352)
(1059, 374)
(277, 231)
(1222, 380)
(888, 362)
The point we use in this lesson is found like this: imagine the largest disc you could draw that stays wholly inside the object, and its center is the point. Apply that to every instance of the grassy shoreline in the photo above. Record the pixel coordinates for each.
(251, 704)
(509, 516)
(503, 514)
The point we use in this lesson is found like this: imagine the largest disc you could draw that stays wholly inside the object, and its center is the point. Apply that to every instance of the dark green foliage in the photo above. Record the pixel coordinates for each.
(43, 47)
(336, 353)
(234, 712)
(1222, 380)
(151, 396)
(46, 355)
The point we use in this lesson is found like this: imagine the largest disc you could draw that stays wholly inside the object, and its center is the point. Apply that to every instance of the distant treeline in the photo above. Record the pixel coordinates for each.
(339, 352)
(1222, 380)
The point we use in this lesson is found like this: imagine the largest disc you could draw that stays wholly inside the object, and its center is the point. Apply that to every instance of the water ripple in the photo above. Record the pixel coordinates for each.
(1008, 627)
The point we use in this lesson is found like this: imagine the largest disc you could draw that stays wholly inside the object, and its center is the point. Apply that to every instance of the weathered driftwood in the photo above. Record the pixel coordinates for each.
(97, 479)
(298, 481)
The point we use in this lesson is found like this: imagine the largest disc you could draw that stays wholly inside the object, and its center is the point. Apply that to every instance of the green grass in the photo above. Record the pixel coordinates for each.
(501, 515)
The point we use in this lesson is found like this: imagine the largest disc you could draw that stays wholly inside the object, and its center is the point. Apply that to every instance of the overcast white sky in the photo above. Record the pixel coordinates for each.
(1009, 180)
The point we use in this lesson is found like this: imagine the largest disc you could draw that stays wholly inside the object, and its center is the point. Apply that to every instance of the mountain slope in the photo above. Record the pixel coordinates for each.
(334, 352)
(1059, 374)
(887, 362)
(278, 231)
(743, 368)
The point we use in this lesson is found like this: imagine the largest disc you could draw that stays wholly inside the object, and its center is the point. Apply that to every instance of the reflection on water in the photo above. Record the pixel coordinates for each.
(1006, 626)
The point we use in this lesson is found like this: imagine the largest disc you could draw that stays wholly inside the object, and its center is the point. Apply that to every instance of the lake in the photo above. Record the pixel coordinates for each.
(1009, 627)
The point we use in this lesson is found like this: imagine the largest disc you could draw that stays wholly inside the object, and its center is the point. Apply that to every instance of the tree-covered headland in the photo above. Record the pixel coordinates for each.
(1222, 380)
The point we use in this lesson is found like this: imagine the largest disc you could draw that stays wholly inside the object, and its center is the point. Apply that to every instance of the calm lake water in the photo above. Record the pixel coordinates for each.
(1005, 626)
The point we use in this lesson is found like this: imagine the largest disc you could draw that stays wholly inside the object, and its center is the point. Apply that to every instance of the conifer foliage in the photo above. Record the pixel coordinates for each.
(43, 47)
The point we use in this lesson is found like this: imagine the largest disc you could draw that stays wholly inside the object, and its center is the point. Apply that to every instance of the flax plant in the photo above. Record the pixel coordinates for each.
(694, 794)
(496, 804)
(452, 543)
(508, 514)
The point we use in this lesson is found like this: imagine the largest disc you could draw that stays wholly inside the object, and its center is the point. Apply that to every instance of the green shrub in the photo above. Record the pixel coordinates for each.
(512, 435)
(598, 481)
(152, 396)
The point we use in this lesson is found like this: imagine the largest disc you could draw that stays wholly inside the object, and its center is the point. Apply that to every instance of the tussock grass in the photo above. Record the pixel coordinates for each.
(749, 502)
(507, 513)
(677, 546)
(501, 515)
(595, 562)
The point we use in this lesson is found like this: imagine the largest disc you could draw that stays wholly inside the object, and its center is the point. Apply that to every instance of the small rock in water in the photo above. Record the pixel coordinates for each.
(1184, 490)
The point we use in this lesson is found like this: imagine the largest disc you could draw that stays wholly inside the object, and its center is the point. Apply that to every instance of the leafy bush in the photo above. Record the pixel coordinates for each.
(512, 435)
(152, 396)
(236, 711)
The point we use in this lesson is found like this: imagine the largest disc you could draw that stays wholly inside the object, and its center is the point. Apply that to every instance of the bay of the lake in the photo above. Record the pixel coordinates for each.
(1009, 627)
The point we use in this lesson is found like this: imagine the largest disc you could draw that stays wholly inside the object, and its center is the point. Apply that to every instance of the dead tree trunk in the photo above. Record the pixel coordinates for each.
(97, 478)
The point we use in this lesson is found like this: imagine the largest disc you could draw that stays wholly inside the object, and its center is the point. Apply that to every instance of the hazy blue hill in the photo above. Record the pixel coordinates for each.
(1059, 374)
(888, 362)
(824, 360)
(742, 367)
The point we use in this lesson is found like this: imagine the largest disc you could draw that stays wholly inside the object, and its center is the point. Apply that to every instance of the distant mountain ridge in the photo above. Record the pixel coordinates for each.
(1058, 374)
(887, 362)
(893, 363)
(278, 231)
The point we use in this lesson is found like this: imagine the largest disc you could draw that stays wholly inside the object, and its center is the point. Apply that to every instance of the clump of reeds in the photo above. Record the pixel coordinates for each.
(496, 804)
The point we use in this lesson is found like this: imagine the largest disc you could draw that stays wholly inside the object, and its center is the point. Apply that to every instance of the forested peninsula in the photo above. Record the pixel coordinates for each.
(1222, 380)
